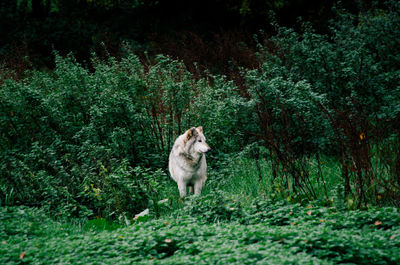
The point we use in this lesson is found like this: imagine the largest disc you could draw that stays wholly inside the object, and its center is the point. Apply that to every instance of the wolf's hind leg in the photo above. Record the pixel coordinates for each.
(190, 188)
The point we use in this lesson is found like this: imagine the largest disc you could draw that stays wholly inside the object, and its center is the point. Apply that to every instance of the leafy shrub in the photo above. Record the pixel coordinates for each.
(223, 113)
(319, 93)
(122, 193)
(91, 142)
(67, 135)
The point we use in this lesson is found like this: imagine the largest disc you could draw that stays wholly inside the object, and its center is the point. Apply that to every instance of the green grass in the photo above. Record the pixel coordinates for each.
(240, 176)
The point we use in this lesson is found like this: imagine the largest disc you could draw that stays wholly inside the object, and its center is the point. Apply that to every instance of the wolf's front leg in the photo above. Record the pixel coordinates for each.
(182, 188)
(198, 186)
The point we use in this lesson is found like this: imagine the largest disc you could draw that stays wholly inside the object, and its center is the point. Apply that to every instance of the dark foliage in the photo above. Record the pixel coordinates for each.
(81, 26)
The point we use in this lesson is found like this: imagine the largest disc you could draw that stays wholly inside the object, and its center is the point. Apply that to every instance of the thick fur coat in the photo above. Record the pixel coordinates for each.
(187, 161)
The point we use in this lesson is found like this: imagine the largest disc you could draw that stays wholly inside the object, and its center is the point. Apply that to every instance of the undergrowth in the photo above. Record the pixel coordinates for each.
(209, 230)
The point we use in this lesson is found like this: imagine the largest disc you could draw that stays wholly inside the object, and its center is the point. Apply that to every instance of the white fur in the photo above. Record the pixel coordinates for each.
(187, 161)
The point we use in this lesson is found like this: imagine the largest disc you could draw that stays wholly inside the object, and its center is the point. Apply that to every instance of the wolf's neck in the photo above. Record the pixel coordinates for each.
(192, 159)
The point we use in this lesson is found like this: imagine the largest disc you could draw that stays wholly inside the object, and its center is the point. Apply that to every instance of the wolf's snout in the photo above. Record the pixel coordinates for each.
(208, 150)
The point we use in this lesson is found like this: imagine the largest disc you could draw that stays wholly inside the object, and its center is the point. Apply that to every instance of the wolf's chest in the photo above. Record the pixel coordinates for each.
(191, 168)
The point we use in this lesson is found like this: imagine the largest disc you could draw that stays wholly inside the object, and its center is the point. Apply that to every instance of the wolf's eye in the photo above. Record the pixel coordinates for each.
(199, 141)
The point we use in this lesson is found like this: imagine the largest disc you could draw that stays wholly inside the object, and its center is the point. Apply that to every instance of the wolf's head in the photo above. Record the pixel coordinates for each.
(195, 138)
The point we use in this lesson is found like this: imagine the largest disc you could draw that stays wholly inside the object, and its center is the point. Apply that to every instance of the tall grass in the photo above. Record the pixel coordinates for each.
(249, 179)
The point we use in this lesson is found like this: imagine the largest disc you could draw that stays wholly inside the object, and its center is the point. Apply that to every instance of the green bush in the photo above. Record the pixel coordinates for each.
(334, 94)
(223, 113)
(74, 140)
(71, 132)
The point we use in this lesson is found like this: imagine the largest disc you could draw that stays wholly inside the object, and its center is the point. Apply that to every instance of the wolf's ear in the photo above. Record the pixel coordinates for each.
(200, 129)
(190, 133)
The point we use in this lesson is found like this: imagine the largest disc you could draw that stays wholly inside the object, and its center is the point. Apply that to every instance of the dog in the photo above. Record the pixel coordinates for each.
(187, 161)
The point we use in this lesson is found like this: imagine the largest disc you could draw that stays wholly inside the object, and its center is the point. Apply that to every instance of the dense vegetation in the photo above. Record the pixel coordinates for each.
(265, 233)
(308, 132)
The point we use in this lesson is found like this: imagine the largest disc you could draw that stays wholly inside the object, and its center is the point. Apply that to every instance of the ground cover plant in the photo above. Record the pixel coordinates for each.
(204, 233)
(304, 169)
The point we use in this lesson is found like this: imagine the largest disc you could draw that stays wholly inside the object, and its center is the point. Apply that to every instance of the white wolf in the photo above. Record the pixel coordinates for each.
(187, 161)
